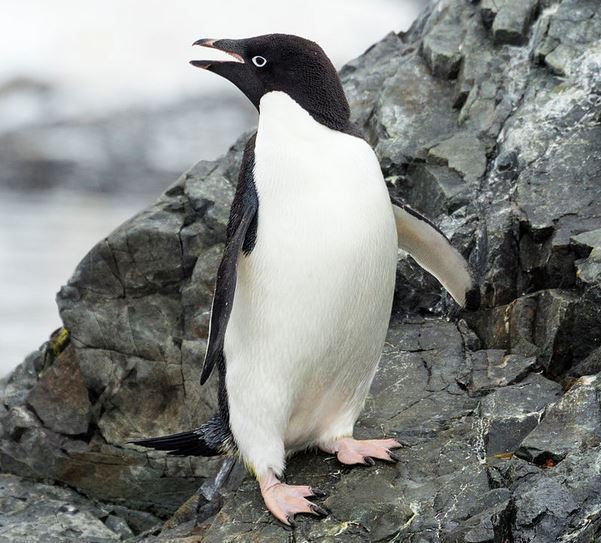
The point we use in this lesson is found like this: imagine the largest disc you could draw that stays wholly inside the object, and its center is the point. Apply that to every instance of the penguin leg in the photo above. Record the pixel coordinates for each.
(257, 420)
(284, 501)
(361, 451)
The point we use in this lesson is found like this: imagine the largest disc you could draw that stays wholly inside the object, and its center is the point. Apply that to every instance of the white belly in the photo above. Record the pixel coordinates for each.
(313, 299)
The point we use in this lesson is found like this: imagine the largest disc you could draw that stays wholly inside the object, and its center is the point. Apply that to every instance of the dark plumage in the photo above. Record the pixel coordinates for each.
(296, 66)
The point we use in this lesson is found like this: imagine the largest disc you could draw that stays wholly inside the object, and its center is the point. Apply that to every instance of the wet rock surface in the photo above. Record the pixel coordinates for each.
(485, 116)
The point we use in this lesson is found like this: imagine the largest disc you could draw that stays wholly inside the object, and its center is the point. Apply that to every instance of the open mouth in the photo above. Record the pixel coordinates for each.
(219, 45)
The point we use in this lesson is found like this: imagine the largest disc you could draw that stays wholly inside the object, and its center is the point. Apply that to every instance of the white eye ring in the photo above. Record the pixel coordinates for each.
(259, 61)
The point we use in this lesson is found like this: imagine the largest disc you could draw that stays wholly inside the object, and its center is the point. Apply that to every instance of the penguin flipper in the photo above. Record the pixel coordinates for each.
(240, 237)
(430, 248)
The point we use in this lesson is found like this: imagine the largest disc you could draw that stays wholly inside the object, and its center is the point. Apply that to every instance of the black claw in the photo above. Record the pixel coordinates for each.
(369, 461)
(393, 457)
(318, 492)
(322, 511)
(291, 522)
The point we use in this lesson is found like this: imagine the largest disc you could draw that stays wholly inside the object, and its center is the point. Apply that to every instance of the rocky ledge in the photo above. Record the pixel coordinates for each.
(487, 117)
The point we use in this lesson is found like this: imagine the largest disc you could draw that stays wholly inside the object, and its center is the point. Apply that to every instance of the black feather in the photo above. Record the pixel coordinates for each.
(211, 439)
(240, 237)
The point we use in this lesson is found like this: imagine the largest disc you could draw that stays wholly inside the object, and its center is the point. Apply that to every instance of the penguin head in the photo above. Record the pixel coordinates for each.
(285, 63)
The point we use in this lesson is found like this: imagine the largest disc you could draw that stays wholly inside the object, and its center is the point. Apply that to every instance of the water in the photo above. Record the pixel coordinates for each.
(42, 238)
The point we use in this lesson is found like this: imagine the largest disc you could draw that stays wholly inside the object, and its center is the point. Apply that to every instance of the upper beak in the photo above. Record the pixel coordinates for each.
(231, 47)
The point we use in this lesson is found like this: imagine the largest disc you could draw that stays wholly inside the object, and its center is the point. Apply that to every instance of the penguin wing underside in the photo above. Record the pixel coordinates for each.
(430, 248)
(240, 237)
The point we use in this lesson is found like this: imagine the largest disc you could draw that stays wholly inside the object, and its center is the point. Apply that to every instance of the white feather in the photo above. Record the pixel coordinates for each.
(433, 252)
(313, 299)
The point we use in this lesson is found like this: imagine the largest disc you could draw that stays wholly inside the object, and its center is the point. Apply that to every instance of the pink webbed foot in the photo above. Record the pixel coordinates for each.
(355, 451)
(284, 501)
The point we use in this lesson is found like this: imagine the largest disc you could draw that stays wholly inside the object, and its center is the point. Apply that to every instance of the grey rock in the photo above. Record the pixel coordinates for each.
(125, 316)
(587, 240)
(16, 387)
(541, 324)
(565, 34)
(442, 43)
(60, 398)
(511, 22)
(508, 20)
(509, 414)
(33, 512)
(403, 128)
(558, 502)
(505, 159)
(588, 270)
(491, 369)
(571, 424)
(435, 189)
(591, 365)
(464, 153)
(365, 75)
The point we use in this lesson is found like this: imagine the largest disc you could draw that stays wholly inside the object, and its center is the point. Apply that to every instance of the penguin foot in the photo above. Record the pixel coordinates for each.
(284, 501)
(355, 451)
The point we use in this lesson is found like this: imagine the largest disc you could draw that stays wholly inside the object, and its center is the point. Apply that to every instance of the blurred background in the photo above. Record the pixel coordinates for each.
(100, 112)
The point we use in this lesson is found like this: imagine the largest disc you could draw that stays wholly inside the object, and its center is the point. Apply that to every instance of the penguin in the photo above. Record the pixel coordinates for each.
(304, 289)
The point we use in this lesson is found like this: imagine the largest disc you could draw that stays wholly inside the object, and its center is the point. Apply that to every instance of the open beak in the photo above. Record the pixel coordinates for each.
(236, 71)
(231, 47)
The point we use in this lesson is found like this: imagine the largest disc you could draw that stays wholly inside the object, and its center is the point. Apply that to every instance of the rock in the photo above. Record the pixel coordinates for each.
(124, 312)
(492, 523)
(570, 425)
(591, 365)
(567, 29)
(442, 44)
(504, 157)
(587, 240)
(588, 270)
(60, 397)
(509, 414)
(491, 369)
(465, 154)
(556, 502)
(39, 512)
(540, 324)
(445, 189)
(509, 20)
(401, 126)
(364, 76)
(16, 387)
(512, 21)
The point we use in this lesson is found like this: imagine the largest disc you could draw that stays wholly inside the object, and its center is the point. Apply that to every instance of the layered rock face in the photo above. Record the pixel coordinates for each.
(486, 116)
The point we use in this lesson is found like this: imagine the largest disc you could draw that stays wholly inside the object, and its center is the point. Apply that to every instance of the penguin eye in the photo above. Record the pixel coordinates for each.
(259, 61)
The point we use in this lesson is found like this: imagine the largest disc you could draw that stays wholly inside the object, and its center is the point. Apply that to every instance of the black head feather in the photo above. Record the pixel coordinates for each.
(286, 63)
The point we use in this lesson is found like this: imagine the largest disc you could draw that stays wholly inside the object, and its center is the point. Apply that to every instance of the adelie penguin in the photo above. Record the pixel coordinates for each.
(305, 286)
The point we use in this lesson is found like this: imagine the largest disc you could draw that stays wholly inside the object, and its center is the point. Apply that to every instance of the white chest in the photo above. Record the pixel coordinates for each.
(311, 179)
(313, 298)
(325, 254)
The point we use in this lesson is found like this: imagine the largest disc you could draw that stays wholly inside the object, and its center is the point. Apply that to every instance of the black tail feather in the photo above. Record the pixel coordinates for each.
(210, 439)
